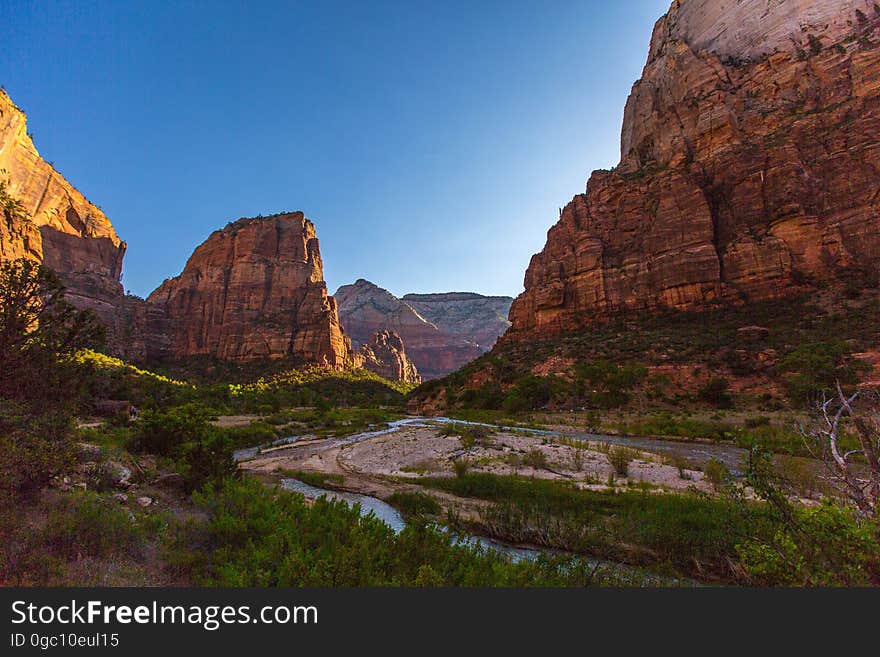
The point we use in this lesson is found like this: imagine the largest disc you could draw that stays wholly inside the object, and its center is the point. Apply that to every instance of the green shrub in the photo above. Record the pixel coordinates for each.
(256, 433)
(755, 422)
(620, 457)
(827, 545)
(259, 537)
(415, 505)
(208, 460)
(318, 479)
(716, 392)
(533, 392)
(34, 448)
(577, 459)
(165, 433)
(812, 369)
(717, 473)
(535, 458)
(693, 533)
(609, 384)
(85, 524)
(461, 467)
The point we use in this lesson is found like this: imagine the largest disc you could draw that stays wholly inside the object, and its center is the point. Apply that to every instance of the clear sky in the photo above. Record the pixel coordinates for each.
(432, 143)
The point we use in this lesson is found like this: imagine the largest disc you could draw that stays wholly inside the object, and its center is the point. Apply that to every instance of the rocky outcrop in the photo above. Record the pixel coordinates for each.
(46, 219)
(254, 290)
(472, 317)
(385, 355)
(750, 169)
(366, 309)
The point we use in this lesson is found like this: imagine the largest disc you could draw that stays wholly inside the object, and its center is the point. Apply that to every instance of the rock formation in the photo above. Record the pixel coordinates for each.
(366, 309)
(467, 315)
(50, 221)
(750, 169)
(253, 290)
(385, 355)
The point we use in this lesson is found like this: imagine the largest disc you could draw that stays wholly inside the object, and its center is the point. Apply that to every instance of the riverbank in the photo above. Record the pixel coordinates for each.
(417, 455)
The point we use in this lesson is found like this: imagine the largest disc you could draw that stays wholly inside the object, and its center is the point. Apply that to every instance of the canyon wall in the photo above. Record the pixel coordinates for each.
(473, 317)
(385, 355)
(366, 309)
(253, 290)
(441, 332)
(50, 221)
(750, 169)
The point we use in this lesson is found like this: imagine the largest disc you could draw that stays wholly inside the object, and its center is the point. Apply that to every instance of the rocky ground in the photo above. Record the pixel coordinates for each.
(397, 460)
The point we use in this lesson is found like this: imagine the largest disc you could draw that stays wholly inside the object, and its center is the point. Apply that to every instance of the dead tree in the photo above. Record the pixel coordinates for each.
(855, 473)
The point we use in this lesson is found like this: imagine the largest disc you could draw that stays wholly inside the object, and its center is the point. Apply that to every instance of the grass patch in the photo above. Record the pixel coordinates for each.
(316, 479)
(414, 505)
(693, 534)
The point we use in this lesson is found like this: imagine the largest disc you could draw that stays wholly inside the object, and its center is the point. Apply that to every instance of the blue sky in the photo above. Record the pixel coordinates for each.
(432, 143)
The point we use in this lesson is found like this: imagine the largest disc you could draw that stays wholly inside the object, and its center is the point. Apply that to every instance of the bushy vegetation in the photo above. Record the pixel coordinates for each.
(716, 392)
(259, 537)
(203, 452)
(688, 533)
(322, 388)
(717, 473)
(811, 345)
(781, 437)
(811, 369)
(416, 506)
(39, 332)
(79, 538)
(311, 386)
(620, 457)
(827, 545)
(832, 544)
(11, 206)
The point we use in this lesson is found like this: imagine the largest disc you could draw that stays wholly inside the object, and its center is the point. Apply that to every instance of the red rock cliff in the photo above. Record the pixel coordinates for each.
(255, 289)
(59, 226)
(750, 168)
(386, 356)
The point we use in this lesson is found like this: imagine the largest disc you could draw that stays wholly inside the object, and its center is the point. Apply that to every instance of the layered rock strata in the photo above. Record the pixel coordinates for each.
(366, 309)
(472, 317)
(386, 356)
(45, 218)
(254, 290)
(750, 169)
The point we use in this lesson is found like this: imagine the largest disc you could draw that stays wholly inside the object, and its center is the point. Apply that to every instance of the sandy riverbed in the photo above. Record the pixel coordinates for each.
(412, 452)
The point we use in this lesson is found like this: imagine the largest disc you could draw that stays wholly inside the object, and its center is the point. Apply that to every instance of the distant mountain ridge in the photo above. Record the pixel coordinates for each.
(441, 331)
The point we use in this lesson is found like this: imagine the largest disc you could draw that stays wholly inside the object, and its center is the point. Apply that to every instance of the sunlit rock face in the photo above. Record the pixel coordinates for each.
(750, 169)
(254, 290)
(475, 317)
(386, 355)
(61, 228)
(441, 332)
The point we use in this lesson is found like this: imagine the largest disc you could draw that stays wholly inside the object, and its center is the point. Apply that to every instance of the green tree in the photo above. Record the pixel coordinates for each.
(40, 381)
(39, 331)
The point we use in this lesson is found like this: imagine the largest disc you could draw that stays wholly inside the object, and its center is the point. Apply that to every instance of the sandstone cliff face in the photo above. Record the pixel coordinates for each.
(750, 168)
(467, 315)
(366, 309)
(254, 290)
(59, 226)
(385, 355)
